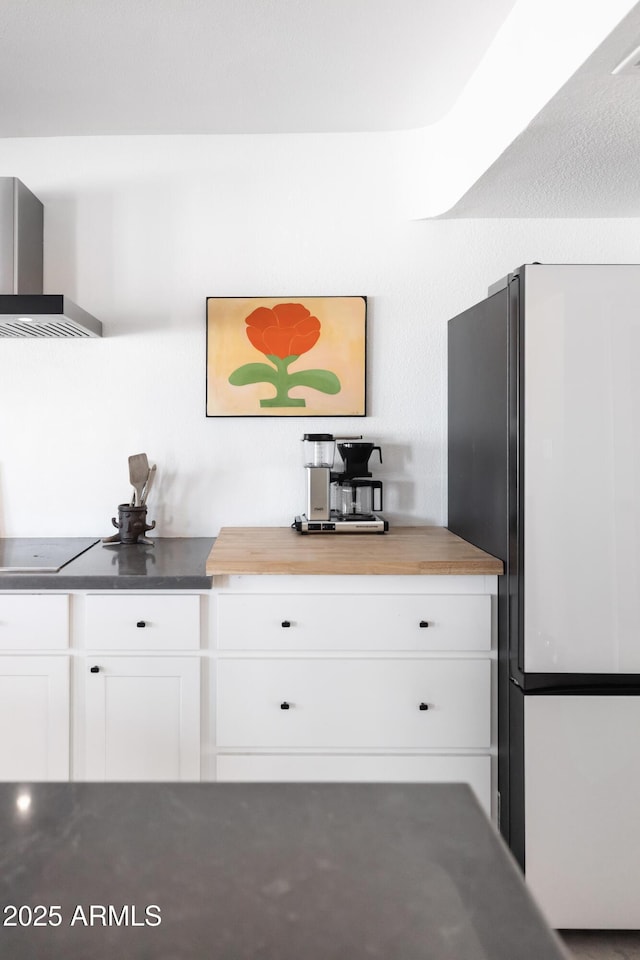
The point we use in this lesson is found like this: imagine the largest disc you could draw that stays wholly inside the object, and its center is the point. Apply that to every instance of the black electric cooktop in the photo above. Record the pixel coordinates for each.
(40, 554)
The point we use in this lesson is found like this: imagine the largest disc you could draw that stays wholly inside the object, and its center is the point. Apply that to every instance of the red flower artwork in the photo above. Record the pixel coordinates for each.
(286, 330)
(282, 333)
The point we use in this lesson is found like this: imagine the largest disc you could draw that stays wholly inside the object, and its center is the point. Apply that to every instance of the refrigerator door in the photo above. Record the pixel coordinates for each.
(582, 797)
(581, 446)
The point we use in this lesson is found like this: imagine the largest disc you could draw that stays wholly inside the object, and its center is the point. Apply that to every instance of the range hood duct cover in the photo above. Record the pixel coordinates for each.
(24, 310)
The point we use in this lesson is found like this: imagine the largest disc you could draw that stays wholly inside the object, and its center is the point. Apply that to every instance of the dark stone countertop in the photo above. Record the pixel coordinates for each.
(172, 563)
(261, 872)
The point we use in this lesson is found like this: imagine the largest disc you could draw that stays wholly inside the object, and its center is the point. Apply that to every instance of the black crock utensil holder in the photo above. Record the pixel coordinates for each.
(131, 525)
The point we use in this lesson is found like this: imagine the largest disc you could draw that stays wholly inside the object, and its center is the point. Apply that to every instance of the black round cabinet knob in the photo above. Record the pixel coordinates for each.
(423, 706)
(94, 669)
(285, 706)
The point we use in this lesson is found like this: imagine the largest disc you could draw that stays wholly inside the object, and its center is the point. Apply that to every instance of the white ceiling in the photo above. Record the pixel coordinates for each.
(87, 67)
(580, 156)
(100, 67)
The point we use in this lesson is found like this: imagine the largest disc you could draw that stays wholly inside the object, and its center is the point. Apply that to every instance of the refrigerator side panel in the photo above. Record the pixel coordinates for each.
(477, 424)
(582, 797)
(478, 469)
(581, 469)
(511, 777)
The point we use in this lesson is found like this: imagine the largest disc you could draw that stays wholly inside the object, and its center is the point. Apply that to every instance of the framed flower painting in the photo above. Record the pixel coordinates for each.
(286, 356)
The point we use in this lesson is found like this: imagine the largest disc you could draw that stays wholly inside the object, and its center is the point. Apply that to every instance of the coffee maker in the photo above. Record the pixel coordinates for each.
(344, 501)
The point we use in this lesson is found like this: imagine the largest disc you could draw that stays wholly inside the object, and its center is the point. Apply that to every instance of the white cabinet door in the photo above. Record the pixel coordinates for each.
(142, 718)
(582, 809)
(34, 718)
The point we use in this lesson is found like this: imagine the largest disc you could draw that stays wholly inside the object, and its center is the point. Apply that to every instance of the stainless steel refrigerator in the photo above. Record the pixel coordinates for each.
(544, 472)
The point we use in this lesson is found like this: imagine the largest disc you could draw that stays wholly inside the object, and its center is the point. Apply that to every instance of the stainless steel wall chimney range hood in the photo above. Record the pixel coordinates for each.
(25, 311)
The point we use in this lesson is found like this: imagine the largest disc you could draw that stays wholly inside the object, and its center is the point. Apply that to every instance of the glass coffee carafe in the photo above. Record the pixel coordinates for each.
(353, 493)
(360, 497)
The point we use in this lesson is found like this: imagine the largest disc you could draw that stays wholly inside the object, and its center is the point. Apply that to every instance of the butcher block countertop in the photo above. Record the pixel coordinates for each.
(402, 550)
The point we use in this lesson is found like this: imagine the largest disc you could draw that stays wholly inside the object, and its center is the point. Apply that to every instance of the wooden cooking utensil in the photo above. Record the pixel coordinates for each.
(147, 486)
(138, 473)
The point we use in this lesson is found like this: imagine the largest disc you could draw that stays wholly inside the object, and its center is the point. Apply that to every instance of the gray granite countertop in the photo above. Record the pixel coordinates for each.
(172, 563)
(232, 871)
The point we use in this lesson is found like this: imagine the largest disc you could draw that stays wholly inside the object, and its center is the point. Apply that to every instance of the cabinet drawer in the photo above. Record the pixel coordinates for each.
(34, 622)
(288, 768)
(354, 703)
(142, 622)
(354, 622)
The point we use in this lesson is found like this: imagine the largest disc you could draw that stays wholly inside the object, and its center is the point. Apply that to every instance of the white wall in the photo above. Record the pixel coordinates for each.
(140, 230)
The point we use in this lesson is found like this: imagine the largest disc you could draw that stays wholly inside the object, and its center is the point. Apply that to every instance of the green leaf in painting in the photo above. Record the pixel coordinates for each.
(252, 373)
(323, 380)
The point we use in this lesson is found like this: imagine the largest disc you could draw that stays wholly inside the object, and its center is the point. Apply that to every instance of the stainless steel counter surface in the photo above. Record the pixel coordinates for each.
(172, 563)
(232, 871)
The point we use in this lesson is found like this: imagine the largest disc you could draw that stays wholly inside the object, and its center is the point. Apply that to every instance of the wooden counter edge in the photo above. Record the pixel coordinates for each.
(252, 564)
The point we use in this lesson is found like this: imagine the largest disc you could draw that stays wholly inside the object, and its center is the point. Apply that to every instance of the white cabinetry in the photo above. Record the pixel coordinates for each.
(134, 713)
(326, 703)
(142, 718)
(34, 718)
(34, 622)
(344, 622)
(139, 713)
(34, 687)
(367, 678)
(355, 685)
(142, 622)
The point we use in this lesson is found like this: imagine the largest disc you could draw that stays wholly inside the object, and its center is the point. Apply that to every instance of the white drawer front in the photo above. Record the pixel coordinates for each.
(142, 622)
(354, 703)
(34, 622)
(288, 768)
(347, 622)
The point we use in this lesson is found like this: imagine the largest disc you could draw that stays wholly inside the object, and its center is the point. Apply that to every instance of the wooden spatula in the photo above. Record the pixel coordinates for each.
(138, 473)
(147, 487)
